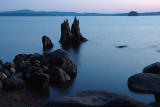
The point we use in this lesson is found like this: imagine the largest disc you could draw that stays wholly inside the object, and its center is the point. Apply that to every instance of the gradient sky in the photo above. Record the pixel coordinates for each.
(82, 5)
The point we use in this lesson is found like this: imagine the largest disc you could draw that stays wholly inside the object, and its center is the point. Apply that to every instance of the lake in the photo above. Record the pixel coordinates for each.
(101, 66)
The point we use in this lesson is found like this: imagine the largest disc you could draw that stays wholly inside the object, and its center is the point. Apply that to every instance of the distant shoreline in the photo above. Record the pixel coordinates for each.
(56, 13)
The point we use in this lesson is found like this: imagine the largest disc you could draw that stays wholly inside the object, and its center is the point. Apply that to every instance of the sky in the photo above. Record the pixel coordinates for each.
(101, 6)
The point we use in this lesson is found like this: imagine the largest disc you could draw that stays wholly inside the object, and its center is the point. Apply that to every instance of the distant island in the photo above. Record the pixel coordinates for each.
(57, 13)
(133, 13)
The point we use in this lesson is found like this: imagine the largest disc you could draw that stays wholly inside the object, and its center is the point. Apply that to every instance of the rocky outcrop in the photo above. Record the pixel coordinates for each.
(95, 99)
(73, 36)
(37, 70)
(47, 43)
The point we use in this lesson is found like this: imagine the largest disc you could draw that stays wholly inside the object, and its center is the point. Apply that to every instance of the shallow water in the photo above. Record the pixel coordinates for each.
(100, 64)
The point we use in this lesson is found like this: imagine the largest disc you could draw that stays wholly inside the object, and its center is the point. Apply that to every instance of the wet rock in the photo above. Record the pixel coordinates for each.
(73, 36)
(61, 59)
(58, 75)
(14, 83)
(95, 99)
(153, 68)
(145, 83)
(47, 43)
(38, 80)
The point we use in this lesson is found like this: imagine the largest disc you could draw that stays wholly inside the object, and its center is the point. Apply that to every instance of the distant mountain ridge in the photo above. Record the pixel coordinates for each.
(26, 12)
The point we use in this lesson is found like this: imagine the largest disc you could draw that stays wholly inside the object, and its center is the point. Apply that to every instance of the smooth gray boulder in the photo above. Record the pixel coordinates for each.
(153, 68)
(95, 99)
(145, 83)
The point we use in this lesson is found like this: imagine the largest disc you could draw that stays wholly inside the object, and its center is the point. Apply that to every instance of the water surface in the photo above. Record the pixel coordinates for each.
(100, 64)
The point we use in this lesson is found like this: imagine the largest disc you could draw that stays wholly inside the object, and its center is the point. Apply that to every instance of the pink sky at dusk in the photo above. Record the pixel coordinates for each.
(103, 6)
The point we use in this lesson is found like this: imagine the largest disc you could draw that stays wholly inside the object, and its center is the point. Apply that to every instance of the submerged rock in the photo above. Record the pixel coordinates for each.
(95, 99)
(122, 46)
(73, 36)
(47, 43)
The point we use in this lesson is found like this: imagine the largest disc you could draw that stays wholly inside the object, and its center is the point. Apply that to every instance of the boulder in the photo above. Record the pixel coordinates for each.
(61, 59)
(47, 43)
(153, 68)
(56, 74)
(38, 80)
(3, 76)
(95, 99)
(14, 83)
(73, 36)
(145, 83)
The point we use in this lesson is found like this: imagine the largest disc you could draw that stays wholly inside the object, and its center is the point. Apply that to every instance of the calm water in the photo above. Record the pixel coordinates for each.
(100, 64)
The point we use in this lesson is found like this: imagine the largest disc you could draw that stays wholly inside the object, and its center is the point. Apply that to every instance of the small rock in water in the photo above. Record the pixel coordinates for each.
(47, 43)
(122, 46)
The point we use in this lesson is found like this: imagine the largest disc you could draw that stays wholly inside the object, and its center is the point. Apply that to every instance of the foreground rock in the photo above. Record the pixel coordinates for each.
(96, 99)
(145, 83)
(73, 36)
(153, 68)
(38, 80)
(47, 43)
(60, 58)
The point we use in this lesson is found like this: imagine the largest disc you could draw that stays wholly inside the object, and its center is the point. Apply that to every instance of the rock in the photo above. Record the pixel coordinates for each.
(47, 43)
(122, 46)
(75, 29)
(95, 99)
(145, 83)
(133, 13)
(73, 36)
(1, 85)
(1, 62)
(38, 80)
(3, 76)
(20, 60)
(14, 83)
(153, 68)
(61, 59)
(7, 72)
(58, 75)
